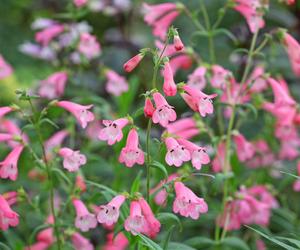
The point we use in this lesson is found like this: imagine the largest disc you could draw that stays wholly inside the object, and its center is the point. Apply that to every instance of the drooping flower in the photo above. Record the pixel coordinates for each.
(112, 132)
(45, 36)
(245, 150)
(169, 86)
(5, 69)
(116, 84)
(8, 218)
(197, 78)
(9, 167)
(219, 76)
(80, 183)
(153, 12)
(178, 43)
(257, 80)
(132, 63)
(187, 203)
(135, 222)
(84, 219)
(78, 4)
(72, 160)
(81, 243)
(109, 214)
(181, 62)
(148, 108)
(131, 154)
(54, 141)
(119, 242)
(89, 46)
(54, 85)
(185, 128)
(164, 113)
(5, 110)
(218, 163)
(199, 155)
(46, 235)
(177, 154)
(81, 113)
(296, 185)
(292, 48)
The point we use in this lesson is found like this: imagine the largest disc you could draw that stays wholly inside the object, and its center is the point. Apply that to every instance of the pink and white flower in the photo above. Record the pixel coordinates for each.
(72, 160)
(197, 79)
(245, 150)
(116, 84)
(177, 154)
(136, 222)
(8, 218)
(89, 46)
(5, 69)
(132, 63)
(84, 219)
(81, 243)
(169, 86)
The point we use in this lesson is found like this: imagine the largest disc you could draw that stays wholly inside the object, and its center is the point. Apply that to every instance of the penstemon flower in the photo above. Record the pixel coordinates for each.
(148, 108)
(169, 86)
(184, 128)
(219, 76)
(109, 214)
(187, 203)
(84, 219)
(45, 36)
(178, 45)
(81, 113)
(131, 154)
(81, 243)
(218, 162)
(245, 150)
(197, 78)
(8, 218)
(112, 132)
(296, 185)
(132, 63)
(177, 154)
(89, 46)
(8, 167)
(72, 159)
(164, 113)
(5, 110)
(116, 84)
(78, 4)
(116, 242)
(5, 69)
(136, 222)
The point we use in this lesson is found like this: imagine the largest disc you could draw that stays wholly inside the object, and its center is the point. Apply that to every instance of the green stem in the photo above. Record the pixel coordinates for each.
(148, 158)
(197, 24)
(220, 16)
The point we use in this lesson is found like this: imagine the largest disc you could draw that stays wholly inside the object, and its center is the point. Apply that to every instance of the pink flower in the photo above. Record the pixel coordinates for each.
(5, 110)
(112, 132)
(5, 137)
(55, 141)
(81, 113)
(197, 79)
(161, 26)
(187, 203)
(136, 222)
(181, 62)
(46, 235)
(257, 80)
(169, 86)
(245, 150)
(185, 128)
(296, 185)
(80, 184)
(219, 76)
(119, 242)
(281, 94)
(94, 128)
(8, 218)
(148, 108)
(72, 159)
(8, 167)
(45, 36)
(78, 4)
(178, 43)
(132, 63)
(109, 214)
(218, 163)
(40, 245)
(116, 84)
(198, 101)
(292, 48)
(84, 219)
(153, 225)
(260, 245)
(5, 69)
(177, 154)
(164, 113)
(54, 85)
(154, 12)
(198, 154)
(131, 154)
(81, 243)
(89, 46)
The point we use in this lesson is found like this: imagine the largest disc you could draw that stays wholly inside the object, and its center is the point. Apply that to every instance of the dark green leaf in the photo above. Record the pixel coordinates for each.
(161, 167)
(235, 243)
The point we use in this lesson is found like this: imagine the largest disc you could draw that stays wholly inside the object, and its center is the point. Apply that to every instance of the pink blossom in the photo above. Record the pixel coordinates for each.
(5, 110)
(84, 219)
(154, 12)
(161, 26)
(112, 132)
(5, 137)
(245, 150)
(8, 167)
(260, 245)
(296, 185)
(178, 43)
(78, 4)
(8, 218)
(116, 84)
(132, 63)
(89, 46)
(54, 142)
(218, 163)
(80, 184)
(180, 62)
(219, 76)
(257, 81)
(11, 197)
(54, 85)
(185, 128)
(81, 113)
(81, 243)
(169, 86)
(109, 214)
(199, 155)
(131, 154)
(293, 50)
(197, 79)
(280, 92)
(289, 149)
(136, 222)
(148, 108)
(5, 69)
(46, 235)
(72, 160)
(40, 245)
(186, 203)
(177, 154)
(164, 113)
(45, 36)
(119, 242)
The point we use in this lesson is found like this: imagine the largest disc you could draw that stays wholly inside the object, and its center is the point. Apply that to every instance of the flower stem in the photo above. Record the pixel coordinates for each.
(148, 158)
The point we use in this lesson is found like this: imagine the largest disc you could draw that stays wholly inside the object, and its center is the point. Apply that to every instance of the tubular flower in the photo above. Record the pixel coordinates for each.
(131, 154)
(119, 242)
(132, 63)
(136, 222)
(116, 84)
(169, 86)
(219, 161)
(45, 36)
(54, 142)
(72, 159)
(178, 45)
(81, 113)
(257, 81)
(54, 85)
(89, 46)
(78, 4)
(197, 79)
(8, 167)
(5, 69)
(84, 219)
(8, 218)
(5, 110)
(185, 128)
(219, 76)
(109, 214)
(187, 203)
(112, 132)
(177, 154)
(148, 108)
(164, 113)
(245, 150)
(296, 185)
(292, 48)
(81, 243)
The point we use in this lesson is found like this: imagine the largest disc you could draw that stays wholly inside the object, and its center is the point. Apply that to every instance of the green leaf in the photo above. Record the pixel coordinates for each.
(136, 183)
(227, 33)
(47, 120)
(200, 242)
(250, 107)
(169, 235)
(161, 167)
(63, 175)
(179, 246)
(169, 218)
(290, 174)
(235, 243)
(102, 187)
(36, 230)
(4, 247)
(291, 240)
(270, 238)
(150, 243)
